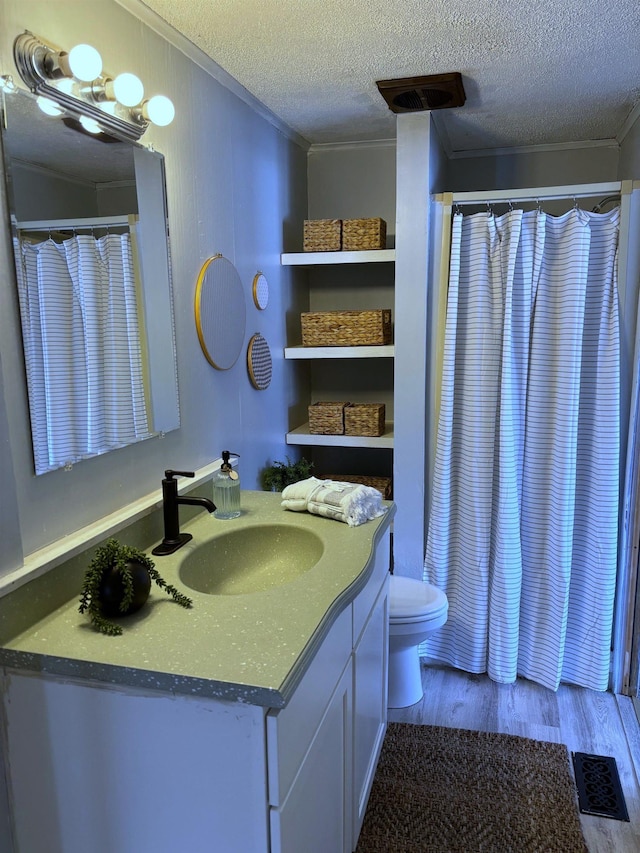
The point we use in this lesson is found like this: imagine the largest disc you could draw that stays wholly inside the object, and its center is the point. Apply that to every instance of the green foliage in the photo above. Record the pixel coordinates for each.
(281, 474)
(115, 554)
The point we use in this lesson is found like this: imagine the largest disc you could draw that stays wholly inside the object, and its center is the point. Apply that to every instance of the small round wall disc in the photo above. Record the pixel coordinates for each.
(260, 291)
(259, 362)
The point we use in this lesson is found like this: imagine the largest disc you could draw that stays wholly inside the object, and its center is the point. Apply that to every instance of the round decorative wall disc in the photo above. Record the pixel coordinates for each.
(260, 291)
(220, 312)
(259, 362)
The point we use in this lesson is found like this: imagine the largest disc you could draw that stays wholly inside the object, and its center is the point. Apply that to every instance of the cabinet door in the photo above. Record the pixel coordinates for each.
(291, 730)
(371, 657)
(316, 815)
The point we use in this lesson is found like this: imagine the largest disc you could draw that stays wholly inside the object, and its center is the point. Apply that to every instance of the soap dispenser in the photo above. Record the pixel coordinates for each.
(226, 489)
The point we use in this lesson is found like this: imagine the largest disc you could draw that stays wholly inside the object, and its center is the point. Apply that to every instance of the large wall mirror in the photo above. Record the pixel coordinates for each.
(90, 238)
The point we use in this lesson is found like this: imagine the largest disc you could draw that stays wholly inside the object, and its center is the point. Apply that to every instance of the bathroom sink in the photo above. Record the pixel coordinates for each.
(251, 559)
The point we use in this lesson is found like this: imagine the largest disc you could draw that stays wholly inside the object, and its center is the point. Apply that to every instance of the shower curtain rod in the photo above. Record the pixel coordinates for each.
(532, 194)
(74, 224)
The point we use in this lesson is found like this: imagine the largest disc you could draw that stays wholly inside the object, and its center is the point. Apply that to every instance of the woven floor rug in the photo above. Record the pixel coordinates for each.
(442, 790)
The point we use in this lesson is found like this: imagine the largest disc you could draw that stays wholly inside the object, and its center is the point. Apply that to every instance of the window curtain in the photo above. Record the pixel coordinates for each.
(82, 348)
(523, 528)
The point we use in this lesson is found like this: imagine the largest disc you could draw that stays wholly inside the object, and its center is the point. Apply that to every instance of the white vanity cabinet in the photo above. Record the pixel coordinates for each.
(107, 767)
(324, 746)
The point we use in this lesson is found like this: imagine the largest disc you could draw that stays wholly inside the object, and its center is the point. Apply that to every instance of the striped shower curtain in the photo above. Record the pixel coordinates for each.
(523, 527)
(82, 346)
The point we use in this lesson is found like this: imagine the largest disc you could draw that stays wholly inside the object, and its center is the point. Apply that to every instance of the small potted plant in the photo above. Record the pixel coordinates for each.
(117, 582)
(281, 474)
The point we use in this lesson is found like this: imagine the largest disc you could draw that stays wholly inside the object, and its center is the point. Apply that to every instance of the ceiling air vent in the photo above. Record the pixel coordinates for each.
(432, 92)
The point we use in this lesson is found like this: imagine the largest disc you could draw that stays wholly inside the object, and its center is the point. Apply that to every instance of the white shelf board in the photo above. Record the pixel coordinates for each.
(301, 435)
(309, 259)
(340, 352)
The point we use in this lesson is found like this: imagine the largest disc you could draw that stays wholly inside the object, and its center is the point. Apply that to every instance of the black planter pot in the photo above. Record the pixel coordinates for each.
(112, 590)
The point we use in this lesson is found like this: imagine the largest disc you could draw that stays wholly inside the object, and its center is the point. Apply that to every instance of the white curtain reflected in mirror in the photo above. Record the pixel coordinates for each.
(82, 347)
(221, 312)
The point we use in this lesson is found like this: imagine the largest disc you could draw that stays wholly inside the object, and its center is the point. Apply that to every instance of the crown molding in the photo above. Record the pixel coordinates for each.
(535, 149)
(316, 147)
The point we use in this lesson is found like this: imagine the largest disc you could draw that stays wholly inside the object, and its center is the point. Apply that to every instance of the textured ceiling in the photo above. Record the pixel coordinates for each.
(544, 71)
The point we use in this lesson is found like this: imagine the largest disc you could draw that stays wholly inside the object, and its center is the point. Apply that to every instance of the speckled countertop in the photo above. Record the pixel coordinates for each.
(250, 647)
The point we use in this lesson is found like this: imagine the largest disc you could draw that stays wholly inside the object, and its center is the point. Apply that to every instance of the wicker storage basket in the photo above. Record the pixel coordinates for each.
(327, 418)
(360, 234)
(346, 328)
(382, 484)
(322, 235)
(364, 419)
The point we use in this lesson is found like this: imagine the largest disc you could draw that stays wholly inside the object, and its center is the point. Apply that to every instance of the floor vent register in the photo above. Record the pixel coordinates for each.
(598, 784)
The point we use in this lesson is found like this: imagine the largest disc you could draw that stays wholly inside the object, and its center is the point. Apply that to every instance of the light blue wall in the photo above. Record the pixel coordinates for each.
(236, 185)
(543, 167)
(41, 195)
(354, 181)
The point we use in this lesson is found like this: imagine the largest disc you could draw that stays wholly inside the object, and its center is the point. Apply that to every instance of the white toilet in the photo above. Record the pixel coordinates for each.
(415, 610)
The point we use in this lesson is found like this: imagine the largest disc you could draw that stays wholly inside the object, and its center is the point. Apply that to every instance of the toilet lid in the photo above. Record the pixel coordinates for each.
(410, 598)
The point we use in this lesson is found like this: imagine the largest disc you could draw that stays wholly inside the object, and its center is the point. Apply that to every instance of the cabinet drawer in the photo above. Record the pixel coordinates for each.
(366, 599)
(291, 730)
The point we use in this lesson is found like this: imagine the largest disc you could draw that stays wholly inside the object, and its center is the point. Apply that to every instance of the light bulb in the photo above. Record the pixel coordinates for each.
(48, 106)
(160, 110)
(65, 85)
(85, 62)
(90, 124)
(128, 89)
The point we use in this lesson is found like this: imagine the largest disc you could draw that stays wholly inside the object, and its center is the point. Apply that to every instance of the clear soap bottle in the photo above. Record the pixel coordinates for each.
(226, 489)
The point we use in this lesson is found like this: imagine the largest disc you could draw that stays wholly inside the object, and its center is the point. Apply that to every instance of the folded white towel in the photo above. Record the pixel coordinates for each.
(296, 496)
(352, 503)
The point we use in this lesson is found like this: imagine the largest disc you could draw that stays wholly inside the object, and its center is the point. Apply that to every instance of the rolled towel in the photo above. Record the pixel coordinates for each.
(297, 495)
(351, 503)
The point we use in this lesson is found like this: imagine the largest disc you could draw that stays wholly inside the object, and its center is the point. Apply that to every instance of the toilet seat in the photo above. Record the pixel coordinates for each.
(413, 601)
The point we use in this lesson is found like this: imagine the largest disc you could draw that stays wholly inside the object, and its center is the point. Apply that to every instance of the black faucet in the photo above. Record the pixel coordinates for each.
(171, 500)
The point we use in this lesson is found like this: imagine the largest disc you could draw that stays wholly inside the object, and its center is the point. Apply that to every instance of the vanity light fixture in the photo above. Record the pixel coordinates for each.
(73, 84)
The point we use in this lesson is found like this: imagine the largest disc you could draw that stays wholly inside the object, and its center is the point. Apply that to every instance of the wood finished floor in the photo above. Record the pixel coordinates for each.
(584, 720)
